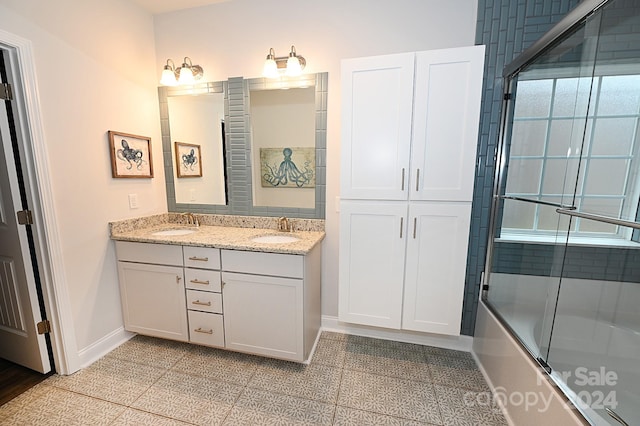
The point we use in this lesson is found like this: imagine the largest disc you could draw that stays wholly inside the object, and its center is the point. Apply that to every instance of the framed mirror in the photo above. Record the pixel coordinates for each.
(193, 140)
(275, 116)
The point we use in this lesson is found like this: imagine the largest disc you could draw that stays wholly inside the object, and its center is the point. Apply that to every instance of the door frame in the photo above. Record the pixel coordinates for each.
(47, 242)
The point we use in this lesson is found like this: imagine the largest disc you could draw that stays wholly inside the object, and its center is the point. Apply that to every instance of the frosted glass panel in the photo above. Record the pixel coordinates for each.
(567, 134)
(619, 95)
(614, 136)
(604, 206)
(533, 98)
(606, 177)
(527, 137)
(524, 176)
(572, 96)
(518, 215)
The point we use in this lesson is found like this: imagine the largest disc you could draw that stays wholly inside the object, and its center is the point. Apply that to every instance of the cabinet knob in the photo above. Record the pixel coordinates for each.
(178, 279)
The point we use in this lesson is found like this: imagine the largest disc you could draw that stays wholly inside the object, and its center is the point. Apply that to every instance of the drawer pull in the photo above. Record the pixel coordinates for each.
(200, 330)
(199, 259)
(178, 279)
(197, 302)
(197, 281)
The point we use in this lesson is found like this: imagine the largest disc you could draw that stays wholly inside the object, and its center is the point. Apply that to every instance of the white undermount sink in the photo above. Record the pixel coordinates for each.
(174, 232)
(275, 239)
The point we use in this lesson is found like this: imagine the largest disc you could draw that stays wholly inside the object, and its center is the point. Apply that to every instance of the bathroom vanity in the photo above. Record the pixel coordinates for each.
(244, 289)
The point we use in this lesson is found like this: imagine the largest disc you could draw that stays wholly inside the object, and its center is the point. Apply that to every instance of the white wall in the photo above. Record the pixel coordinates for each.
(233, 38)
(95, 66)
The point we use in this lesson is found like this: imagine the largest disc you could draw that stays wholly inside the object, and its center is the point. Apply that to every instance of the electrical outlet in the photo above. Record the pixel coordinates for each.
(133, 201)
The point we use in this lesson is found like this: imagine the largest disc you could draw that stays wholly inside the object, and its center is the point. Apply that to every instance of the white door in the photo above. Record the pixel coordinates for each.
(436, 264)
(19, 307)
(263, 315)
(377, 98)
(448, 90)
(372, 253)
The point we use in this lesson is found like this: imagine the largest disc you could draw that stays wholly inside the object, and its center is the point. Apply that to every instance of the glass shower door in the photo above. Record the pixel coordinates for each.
(595, 342)
(547, 117)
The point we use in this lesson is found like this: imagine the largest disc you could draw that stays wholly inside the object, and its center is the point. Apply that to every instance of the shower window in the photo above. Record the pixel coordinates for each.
(546, 116)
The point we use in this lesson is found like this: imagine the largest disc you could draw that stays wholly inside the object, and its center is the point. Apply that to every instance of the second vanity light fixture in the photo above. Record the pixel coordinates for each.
(186, 74)
(292, 65)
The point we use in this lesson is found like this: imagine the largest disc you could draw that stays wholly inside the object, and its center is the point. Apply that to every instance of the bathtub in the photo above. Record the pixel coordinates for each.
(595, 344)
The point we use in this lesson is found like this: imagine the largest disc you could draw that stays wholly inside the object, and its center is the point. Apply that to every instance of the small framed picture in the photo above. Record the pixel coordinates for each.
(130, 155)
(188, 160)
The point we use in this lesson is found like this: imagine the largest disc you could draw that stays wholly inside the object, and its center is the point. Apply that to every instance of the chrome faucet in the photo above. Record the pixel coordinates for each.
(191, 219)
(284, 225)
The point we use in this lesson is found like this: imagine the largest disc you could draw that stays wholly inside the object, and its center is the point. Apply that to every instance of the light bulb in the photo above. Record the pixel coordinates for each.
(168, 77)
(270, 69)
(186, 76)
(294, 68)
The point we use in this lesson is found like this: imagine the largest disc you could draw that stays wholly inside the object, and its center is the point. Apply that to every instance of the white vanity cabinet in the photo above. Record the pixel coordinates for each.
(409, 135)
(152, 289)
(271, 303)
(255, 302)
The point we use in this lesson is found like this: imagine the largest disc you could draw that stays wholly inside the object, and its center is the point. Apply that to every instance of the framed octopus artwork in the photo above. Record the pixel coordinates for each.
(288, 167)
(130, 155)
(188, 160)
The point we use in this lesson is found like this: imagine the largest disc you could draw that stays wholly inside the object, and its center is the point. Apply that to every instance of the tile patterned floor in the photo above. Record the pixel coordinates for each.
(352, 381)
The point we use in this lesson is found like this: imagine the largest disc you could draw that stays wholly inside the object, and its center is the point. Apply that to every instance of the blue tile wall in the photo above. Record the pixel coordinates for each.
(506, 27)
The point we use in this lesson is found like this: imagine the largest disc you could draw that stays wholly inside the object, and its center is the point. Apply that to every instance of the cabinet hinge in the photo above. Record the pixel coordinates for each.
(25, 217)
(485, 287)
(44, 327)
(507, 96)
(6, 93)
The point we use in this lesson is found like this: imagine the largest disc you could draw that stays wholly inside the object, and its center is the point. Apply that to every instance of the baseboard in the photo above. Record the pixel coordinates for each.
(98, 349)
(459, 343)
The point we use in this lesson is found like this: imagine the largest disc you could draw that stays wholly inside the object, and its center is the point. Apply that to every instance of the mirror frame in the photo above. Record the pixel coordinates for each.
(238, 145)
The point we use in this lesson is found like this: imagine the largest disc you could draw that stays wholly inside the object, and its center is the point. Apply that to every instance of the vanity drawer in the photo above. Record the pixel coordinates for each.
(204, 301)
(202, 279)
(159, 254)
(206, 329)
(275, 264)
(201, 257)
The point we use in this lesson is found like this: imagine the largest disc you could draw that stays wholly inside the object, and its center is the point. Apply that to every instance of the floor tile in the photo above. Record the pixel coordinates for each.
(350, 417)
(461, 407)
(330, 352)
(257, 407)
(457, 372)
(434, 351)
(388, 361)
(132, 417)
(314, 381)
(232, 367)
(17, 403)
(188, 398)
(333, 335)
(64, 408)
(159, 353)
(111, 379)
(389, 395)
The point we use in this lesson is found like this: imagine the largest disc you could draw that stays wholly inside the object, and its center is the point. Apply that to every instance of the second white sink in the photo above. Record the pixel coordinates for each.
(174, 232)
(275, 239)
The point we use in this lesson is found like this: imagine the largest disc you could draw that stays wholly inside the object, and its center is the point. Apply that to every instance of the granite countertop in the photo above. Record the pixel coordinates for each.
(224, 237)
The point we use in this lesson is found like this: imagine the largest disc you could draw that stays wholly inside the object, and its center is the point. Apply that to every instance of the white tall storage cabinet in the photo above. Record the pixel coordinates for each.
(409, 135)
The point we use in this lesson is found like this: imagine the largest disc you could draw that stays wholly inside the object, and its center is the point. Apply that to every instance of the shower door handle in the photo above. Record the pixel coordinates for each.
(600, 218)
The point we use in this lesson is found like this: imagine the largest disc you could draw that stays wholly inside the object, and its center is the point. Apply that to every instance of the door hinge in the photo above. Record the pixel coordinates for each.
(44, 327)
(507, 96)
(25, 217)
(6, 93)
(485, 287)
(544, 365)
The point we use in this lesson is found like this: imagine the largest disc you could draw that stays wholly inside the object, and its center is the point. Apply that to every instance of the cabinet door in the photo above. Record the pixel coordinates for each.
(377, 98)
(436, 265)
(448, 91)
(372, 253)
(263, 315)
(153, 300)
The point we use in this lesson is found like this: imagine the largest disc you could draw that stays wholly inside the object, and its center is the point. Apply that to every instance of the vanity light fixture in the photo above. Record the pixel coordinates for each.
(186, 74)
(292, 65)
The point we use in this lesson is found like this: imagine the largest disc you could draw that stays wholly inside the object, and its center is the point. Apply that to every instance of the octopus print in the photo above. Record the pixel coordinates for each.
(132, 156)
(189, 160)
(288, 173)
